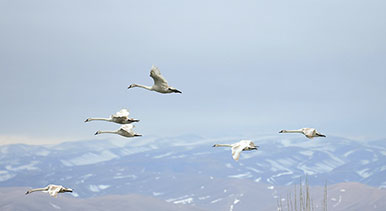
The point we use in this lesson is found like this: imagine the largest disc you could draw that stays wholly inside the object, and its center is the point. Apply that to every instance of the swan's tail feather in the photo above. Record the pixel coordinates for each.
(175, 90)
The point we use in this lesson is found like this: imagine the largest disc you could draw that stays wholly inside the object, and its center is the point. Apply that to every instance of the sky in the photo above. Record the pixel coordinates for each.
(246, 68)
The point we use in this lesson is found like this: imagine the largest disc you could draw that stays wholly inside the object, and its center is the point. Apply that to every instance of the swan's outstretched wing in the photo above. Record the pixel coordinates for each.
(245, 144)
(240, 146)
(236, 151)
(309, 132)
(121, 116)
(122, 113)
(159, 80)
(53, 190)
(128, 128)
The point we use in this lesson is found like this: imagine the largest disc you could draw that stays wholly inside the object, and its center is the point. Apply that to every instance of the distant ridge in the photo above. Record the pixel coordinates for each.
(172, 167)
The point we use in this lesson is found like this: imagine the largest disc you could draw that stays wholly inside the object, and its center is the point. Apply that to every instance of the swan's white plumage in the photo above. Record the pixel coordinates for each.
(125, 130)
(237, 148)
(159, 80)
(236, 151)
(308, 132)
(122, 113)
(52, 190)
(160, 83)
(243, 145)
(121, 117)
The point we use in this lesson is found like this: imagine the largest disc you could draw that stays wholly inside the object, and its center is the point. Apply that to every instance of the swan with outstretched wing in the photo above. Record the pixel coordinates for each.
(160, 83)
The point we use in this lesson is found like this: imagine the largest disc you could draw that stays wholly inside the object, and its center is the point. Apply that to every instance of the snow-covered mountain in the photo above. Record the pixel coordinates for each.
(187, 169)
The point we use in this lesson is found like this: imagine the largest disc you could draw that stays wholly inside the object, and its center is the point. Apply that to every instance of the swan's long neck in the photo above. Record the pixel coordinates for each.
(38, 189)
(293, 131)
(103, 119)
(143, 86)
(222, 145)
(115, 132)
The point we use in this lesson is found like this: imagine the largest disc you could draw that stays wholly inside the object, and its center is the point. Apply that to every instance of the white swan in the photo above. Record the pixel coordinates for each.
(121, 117)
(124, 130)
(308, 132)
(53, 190)
(237, 148)
(160, 83)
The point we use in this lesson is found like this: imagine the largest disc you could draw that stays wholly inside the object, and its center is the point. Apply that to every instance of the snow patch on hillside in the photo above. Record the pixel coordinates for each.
(27, 167)
(4, 176)
(132, 151)
(203, 197)
(97, 188)
(216, 200)
(228, 165)
(307, 153)
(364, 173)
(90, 158)
(162, 155)
(131, 176)
(239, 176)
(55, 206)
(348, 153)
(157, 193)
(186, 199)
(43, 153)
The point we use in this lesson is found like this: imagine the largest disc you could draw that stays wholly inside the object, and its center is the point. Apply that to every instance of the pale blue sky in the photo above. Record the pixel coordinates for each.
(245, 68)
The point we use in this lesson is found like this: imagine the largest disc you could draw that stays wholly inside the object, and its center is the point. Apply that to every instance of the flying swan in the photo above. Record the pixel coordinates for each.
(237, 148)
(121, 117)
(53, 190)
(160, 83)
(124, 130)
(308, 132)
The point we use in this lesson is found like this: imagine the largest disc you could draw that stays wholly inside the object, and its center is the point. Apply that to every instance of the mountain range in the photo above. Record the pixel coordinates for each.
(187, 170)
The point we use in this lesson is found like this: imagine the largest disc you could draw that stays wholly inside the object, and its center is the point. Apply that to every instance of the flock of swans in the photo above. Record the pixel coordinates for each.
(161, 85)
(121, 117)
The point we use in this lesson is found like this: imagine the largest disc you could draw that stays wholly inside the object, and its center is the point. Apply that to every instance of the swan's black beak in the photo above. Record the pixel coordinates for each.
(86, 120)
(322, 135)
(136, 135)
(96, 133)
(281, 131)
